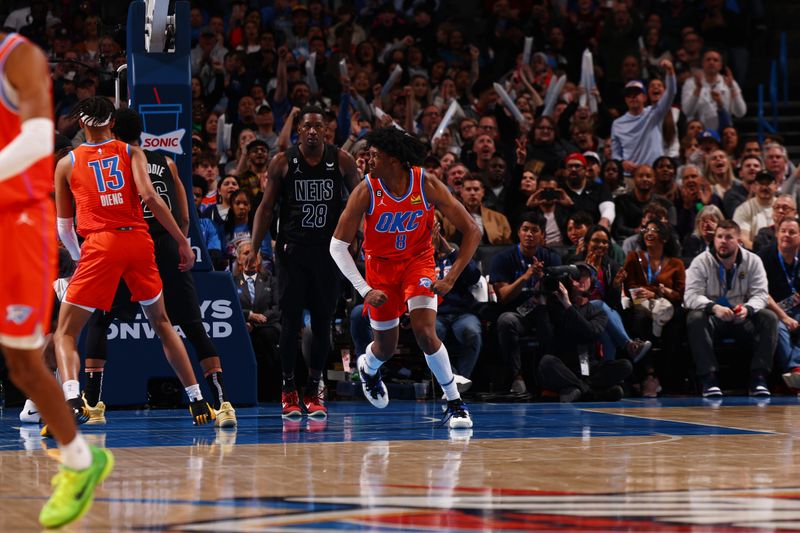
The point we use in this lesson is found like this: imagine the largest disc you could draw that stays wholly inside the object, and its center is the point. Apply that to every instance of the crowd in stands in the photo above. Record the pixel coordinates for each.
(631, 166)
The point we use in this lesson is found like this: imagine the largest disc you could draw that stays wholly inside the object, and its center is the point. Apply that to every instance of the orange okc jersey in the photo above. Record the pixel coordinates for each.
(106, 197)
(35, 182)
(398, 228)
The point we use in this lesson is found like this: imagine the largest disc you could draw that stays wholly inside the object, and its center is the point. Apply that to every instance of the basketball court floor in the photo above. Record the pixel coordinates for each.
(656, 465)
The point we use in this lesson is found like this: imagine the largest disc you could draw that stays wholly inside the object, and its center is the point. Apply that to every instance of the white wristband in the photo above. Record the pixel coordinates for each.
(343, 259)
(66, 232)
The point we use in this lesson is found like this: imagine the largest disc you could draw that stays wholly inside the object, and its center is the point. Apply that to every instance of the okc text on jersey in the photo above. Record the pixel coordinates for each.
(398, 222)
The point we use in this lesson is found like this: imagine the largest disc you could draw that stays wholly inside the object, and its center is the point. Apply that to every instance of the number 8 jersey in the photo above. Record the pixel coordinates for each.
(102, 183)
(395, 227)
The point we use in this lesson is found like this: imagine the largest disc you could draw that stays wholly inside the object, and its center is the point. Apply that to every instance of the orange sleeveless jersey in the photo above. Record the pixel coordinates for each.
(35, 183)
(106, 197)
(398, 228)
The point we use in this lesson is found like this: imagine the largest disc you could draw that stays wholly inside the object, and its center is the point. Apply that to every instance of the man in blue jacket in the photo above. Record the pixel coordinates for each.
(636, 136)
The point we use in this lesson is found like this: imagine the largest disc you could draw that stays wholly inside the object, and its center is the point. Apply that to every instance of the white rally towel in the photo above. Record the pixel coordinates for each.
(552, 94)
(587, 82)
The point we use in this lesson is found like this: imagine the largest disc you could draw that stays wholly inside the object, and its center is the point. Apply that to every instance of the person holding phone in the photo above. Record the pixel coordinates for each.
(554, 204)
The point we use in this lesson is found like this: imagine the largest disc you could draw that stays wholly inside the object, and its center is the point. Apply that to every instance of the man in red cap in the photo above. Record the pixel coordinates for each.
(587, 195)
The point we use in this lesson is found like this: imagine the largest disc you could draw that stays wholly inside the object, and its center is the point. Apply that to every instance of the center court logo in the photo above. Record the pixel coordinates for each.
(493, 509)
(216, 315)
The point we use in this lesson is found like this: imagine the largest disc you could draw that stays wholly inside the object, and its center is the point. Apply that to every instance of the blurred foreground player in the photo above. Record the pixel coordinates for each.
(28, 246)
(180, 296)
(105, 178)
(397, 203)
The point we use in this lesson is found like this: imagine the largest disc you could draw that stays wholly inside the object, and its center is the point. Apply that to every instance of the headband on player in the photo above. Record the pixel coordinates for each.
(94, 122)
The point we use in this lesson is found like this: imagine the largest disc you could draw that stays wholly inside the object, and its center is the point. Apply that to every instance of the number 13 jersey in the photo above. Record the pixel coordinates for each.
(398, 228)
(102, 183)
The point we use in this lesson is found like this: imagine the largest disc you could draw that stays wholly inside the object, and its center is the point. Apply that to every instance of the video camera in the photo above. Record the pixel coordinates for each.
(553, 275)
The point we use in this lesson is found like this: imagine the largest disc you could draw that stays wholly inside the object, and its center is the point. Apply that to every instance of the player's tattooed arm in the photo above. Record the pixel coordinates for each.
(65, 203)
(350, 219)
(437, 193)
(65, 210)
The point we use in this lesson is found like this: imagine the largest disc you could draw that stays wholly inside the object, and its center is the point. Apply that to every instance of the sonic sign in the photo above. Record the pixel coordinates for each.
(163, 118)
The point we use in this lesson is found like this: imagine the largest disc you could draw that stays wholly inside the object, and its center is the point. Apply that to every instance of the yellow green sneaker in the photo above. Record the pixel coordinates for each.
(73, 490)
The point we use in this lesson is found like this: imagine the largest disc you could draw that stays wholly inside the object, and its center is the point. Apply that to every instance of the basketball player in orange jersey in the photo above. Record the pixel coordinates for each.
(397, 202)
(105, 178)
(29, 250)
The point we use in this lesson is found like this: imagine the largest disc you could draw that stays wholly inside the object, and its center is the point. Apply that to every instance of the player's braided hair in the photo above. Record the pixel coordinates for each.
(407, 149)
(94, 111)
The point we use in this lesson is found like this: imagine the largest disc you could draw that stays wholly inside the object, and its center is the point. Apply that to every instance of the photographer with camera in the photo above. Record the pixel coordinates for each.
(569, 329)
(514, 274)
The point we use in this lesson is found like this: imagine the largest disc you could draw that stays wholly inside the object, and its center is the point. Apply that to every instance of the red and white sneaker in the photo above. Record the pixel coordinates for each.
(315, 405)
(290, 404)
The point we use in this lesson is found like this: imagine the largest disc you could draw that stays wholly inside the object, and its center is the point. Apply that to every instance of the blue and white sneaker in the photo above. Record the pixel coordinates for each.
(457, 415)
(373, 387)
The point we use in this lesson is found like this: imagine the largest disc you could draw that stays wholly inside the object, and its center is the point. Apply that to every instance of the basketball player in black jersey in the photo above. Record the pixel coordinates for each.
(180, 296)
(308, 181)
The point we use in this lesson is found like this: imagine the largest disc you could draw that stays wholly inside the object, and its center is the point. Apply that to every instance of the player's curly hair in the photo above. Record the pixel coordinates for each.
(95, 109)
(409, 150)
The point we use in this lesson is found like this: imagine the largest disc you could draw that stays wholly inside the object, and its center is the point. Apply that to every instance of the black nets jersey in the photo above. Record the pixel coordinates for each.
(164, 184)
(311, 199)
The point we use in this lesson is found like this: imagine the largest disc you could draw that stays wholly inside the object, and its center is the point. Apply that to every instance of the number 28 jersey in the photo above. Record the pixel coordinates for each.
(398, 228)
(106, 197)
(311, 198)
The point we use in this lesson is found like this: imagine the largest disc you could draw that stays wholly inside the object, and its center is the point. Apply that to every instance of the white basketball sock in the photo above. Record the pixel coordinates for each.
(193, 392)
(76, 455)
(72, 389)
(372, 363)
(439, 363)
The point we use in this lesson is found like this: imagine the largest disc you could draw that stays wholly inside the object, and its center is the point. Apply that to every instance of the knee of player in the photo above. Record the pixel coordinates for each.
(62, 335)
(427, 339)
(160, 323)
(384, 348)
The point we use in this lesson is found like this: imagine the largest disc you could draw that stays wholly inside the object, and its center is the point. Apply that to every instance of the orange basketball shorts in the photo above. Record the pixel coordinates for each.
(30, 254)
(400, 280)
(107, 256)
